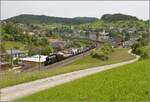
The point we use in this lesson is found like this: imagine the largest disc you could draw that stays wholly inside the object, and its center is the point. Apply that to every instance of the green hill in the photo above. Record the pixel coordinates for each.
(128, 83)
(117, 17)
(42, 19)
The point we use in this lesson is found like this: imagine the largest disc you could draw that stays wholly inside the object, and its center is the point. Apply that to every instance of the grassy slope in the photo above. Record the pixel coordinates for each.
(128, 83)
(11, 78)
(12, 44)
(146, 48)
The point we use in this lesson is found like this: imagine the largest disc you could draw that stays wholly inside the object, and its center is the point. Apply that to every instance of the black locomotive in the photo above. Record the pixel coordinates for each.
(58, 57)
(53, 58)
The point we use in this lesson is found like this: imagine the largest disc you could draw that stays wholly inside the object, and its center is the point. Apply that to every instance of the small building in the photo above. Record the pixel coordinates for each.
(57, 44)
(116, 42)
(16, 53)
(131, 30)
(4, 65)
(29, 62)
(34, 59)
(135, 37)
(31, 33)
(76, 33)
(127, 43)
(103, 35)
(92, 36)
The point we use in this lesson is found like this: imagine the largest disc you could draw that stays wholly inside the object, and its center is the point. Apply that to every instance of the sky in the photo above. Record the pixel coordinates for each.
(71, 9)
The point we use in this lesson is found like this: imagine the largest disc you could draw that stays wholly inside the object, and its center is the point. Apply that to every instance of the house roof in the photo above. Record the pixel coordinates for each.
(3, 63)
(15, 51)
(51, 40)
(34, 58)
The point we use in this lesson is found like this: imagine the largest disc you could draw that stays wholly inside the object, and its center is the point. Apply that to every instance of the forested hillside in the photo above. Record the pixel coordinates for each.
(117, 17)
(42, 19)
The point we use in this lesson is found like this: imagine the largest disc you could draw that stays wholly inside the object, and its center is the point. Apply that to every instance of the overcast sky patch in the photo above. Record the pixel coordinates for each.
(71, 9)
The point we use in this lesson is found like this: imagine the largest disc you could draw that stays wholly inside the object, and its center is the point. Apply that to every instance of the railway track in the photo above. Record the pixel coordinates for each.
(58, 64)
(26, 89)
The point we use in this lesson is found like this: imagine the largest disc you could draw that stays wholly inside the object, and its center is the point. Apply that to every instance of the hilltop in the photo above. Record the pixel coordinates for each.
(117, 17)
(42, 19)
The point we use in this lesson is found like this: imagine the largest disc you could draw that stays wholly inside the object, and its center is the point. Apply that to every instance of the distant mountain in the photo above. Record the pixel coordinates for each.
(117, 17)
(85, 19)
(42, 19)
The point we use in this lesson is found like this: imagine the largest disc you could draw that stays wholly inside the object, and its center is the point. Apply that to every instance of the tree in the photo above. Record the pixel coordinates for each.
(2, 50)
(47, 50)
(136, 48)
(99, 54)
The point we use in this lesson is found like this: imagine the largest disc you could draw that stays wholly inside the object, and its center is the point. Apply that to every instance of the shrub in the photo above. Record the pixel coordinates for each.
(138, 49)
(47, 50)
(33, 52)
(16, 47)
(99, 54)
(144, 52)
(135, 47)
(16, 61)
(107, 48)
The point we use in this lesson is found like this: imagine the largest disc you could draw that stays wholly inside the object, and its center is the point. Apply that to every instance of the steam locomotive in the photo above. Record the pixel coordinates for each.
(61, 56)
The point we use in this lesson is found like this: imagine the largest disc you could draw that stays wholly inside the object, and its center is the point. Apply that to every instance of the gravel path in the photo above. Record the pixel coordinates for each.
(25, 89)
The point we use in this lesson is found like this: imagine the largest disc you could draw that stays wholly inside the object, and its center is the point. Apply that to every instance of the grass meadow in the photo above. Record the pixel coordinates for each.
(13, 45)
(12, 78)
(128, 83)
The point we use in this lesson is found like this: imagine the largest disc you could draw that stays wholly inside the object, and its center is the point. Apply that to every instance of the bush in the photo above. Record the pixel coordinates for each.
(47, 50)
(144, 53)
(16, 61)
(140, 50)
(103, 52)
(135, 47)
(16, 47)
(99, 54)
(107, 48)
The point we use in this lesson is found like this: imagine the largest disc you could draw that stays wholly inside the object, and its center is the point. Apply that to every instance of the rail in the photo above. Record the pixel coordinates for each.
(59, 63)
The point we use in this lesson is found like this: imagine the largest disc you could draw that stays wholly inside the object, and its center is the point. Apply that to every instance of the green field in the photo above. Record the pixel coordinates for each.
(128, 83)
(13, 45)
(146, 48)
(12, 78)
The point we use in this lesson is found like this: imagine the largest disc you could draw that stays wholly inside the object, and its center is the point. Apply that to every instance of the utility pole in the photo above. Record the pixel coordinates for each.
(124, 36)
(11, 57)
(39, 59)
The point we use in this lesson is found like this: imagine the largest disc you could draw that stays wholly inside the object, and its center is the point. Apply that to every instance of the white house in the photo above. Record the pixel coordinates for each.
(35, 58)
(103, 35)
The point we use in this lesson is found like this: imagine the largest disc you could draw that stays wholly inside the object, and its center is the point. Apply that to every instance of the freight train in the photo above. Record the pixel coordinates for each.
(61, 56)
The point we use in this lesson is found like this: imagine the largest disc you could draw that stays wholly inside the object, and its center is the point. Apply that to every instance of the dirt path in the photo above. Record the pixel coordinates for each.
(25, 89)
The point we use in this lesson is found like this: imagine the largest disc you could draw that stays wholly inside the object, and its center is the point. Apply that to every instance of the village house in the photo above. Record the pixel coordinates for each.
(116, 42)
(135, 37)
(127, 44)
(103, 35)
(92, 36)
(4, 65)
(16, 53)
(56, 43)
(131, 30)
(33, 60)
(30, 33)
